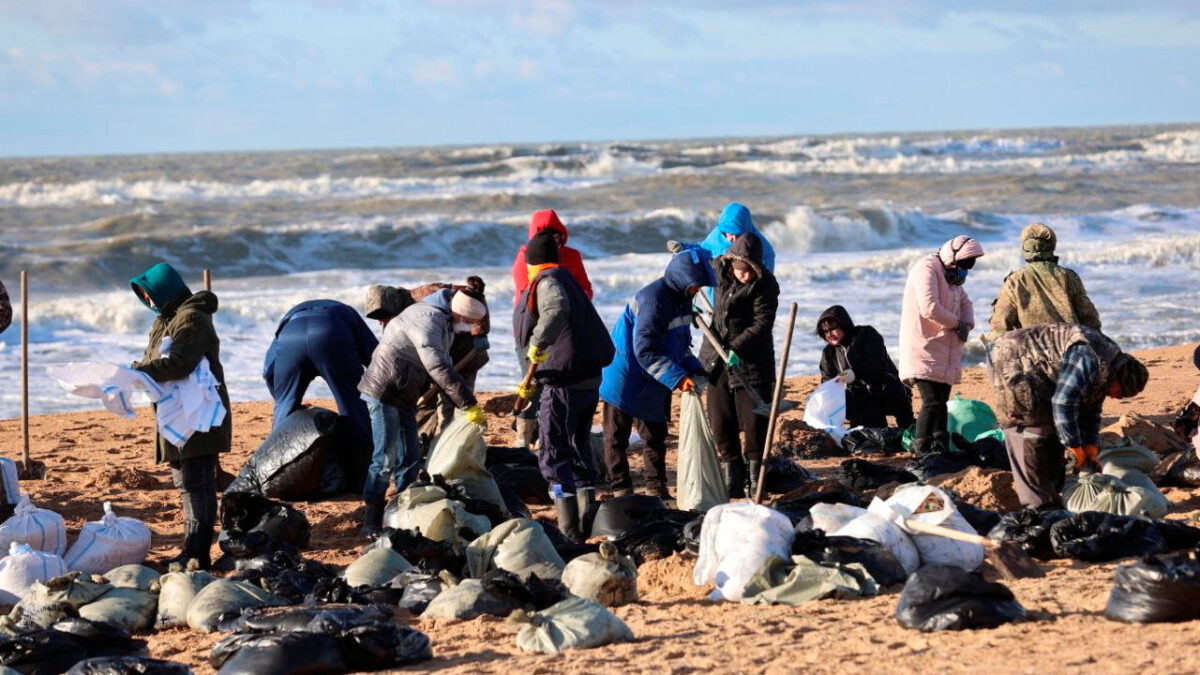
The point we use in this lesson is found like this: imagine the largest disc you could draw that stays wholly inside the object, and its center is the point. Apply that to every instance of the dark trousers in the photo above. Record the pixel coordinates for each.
(1039, 464)
(870, 407)
(731, 412)
(308, 347)
(931, 434)
(196, 480)
(564, 436)
(617, 427)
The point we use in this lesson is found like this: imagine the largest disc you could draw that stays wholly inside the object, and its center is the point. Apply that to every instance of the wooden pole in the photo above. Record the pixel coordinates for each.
(25, 368)
(787, 347)
(207, 280)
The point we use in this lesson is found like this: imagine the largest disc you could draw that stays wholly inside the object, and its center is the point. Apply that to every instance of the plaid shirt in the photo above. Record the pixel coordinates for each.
(1077, 425)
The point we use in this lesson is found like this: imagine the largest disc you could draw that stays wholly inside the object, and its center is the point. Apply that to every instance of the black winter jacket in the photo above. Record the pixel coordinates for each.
(745, 315)
(865, 352)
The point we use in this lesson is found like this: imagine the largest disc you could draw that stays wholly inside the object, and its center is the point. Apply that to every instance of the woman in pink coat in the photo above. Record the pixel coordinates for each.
(935, 321)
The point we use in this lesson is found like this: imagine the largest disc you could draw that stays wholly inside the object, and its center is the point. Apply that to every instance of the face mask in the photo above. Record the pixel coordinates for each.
(956, 276)
(462, 327)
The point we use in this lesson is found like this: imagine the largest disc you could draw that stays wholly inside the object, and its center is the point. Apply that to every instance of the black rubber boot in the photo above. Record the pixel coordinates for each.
(734, 473)
(568, 517)
(586, 499)
(372, 519)
(754, 469)
(197, 546)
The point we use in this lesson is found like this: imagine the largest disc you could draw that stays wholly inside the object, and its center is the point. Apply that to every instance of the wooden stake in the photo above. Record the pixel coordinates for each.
(25, 367)
(207, 280)
(787, 347)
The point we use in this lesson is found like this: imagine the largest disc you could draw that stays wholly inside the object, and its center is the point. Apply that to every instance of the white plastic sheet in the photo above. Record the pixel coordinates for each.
(825, 409)
(699, 485)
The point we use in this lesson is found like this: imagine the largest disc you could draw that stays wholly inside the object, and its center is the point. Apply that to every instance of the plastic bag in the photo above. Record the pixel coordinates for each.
(798, 508)
(1156, 589)
(873, 527)
(458, 455)
(1031, 529)
(860, 474)
(128, 665)
(735, 540)
(574, 623)
(825, 408)
(945, 597)
(375, 567)
(618, 516)
(872, 441)
(129, 608)
(833, 517)
(109, 542)
(467, 600)
(22, 567)
(939, 463)
(419, 590)
(784, 475)
(176, 589)
(1100, 537)
(279, 654)
(606, 577)
(320, 619)
(519, 546)
(224, 596)
(524, 482)
(879, 562)
(43, 652)
(42, 529)
(932, 506)
(384, 646)
(421, 551)
(969, 418)
(1108, 494)
(302, 459)
(248, 512)
(699, 484)
(426, 509)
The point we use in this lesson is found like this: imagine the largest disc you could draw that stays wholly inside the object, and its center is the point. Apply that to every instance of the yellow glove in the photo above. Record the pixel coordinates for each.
(537, 354)
(475, 415)
(526, 392)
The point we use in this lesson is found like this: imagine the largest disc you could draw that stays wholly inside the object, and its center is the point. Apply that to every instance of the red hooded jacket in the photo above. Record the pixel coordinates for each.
(568, 258)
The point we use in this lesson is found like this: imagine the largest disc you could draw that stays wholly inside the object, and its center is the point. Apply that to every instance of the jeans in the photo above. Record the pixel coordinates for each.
(397, 454)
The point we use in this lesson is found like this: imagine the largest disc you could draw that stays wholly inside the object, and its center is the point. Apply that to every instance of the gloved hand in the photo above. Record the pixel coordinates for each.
(537, 354)
(686, 385)
(1085, 458)
(733, 360)
(963, 330)
(527, 392)
(847, 376)
(674, 246)
(474, 415)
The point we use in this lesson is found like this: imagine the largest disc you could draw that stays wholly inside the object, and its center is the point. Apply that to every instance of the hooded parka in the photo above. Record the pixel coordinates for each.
(744, 315)
(568, 258)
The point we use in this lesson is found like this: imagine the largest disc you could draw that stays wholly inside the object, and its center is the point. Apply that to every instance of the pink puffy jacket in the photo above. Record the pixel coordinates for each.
(929, 348)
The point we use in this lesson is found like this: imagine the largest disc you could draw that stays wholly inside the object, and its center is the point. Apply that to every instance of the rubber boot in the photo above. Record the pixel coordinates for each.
(197, 545)
(527, 432)
(754, 469)
(372, 519)
(734, 473)
(568, 517)
(586, 498)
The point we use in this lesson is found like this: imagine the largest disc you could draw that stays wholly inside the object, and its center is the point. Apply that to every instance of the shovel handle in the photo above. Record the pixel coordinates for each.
(459, 367)
(734, 372)
(519, 404)
(938, 530)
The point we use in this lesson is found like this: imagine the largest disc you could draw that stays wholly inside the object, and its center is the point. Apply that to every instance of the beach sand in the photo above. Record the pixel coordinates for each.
(95, 456)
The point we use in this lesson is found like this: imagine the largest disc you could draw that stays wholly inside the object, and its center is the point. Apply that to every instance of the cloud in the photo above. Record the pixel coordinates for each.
(545, 17)
(434, 71)
(124, 21)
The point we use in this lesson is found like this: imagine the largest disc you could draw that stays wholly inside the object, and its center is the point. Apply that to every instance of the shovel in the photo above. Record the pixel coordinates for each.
(520, 403)
(434, 390)
(1006, 556)
(761, 407)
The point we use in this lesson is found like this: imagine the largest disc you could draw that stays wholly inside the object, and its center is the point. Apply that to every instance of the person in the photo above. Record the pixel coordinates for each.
(747, 298)
(385, 303)
(1041, 291)
(735, 222)
(856, 354)
(1187, 423)
(326, 339)
(186, 320)
(415, 349)
(556, 327)
(653, 357)
(936, 318)
(6, 311)
(1050, 382)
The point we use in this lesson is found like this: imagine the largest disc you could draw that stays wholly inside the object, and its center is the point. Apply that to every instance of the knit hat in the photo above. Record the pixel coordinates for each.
(468, 307)
(385, 302)
(1038, 242)
(1129, 373)
(542, 249)
(959, 248)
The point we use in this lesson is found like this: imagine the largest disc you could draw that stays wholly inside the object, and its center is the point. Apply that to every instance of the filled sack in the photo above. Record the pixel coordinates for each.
(426, 509)
(574, 623)
(225, 596)
(109, 542)
(22, 567)
(875, 558)
(606, 577)
(833, 517)
(138, 577)
(467, 600)
(519, 546)
(879, 529)
(50, 601)
(304, 458)
(1089, 491)
(459, 456)
(128, 665)
(1031, 529)
(245, 512)
(1156, 589)
(42, 529)
(799, 580)
(130, 609)
(946, 597)
(969, 418)
(176, 590)
(1100, 537)
(931, 506)
(735, 541)
(699, 485)
(376, 567)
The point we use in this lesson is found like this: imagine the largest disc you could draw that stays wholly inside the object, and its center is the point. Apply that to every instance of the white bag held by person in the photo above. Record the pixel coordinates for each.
(109, 542)
(735, 541)
(876, 528)
(23, 567)
(825, 409)
(40, 528)
(932, 506)
(699, 485)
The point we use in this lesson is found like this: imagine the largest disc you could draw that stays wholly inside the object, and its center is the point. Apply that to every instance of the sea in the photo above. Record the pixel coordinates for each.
(848, 215)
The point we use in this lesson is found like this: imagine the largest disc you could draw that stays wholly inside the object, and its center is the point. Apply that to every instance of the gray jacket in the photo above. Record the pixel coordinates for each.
(415, 347)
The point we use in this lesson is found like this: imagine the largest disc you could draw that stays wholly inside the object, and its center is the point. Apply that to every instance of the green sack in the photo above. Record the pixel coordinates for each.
(1156, 504)
(376, 567)
(795, 582)
(1108, 494)
(128, 608)
(1129, 454)
(519, 546)
(574, 623)
(969, 418)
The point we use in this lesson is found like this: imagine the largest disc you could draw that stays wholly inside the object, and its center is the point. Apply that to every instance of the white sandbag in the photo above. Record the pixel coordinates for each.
(8, 483)
(1109, 494)
(426, 509)
(176, 589)
(519, 546)
(139, 577)
(735, 541)
(1129, 454)
(699, 485)
(894, 539)
(42, 529)
(574, 623)
(459, 455)
(825, 409)
(833, 517)
(606, 577)
(932, 506)
(22, 567)
(224, 596)
(109, 542)
(1154, 504)
(129, 608)
(376, 567)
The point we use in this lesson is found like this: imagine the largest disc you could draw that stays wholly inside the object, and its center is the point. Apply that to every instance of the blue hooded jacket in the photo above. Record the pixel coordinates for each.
(653, 339)
(735, 219)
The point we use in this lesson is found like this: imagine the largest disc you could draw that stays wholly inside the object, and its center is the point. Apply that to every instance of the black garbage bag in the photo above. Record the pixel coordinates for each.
(880, 563)
(279, 654)
(1031, 529)
(943, 597)
(939, 463)
(797, 508)
(534, 593)
(977, 517)
(991, 452)
(423, 552)
(100, 638)
(1156, 589)
(873, 441)
(523, 480)
(784, 475)
(336, 591)
(128, 665)
(860, 474)
(244, 512)
(382, 646)
(659, 536)
(1178, 535)
(1099, 537)
(566, 549)
(1182, 469)
(305, 458)
(619, 515)
(419, 590)
(246, 545)
(493, 512)
(513, 503)
(43, 652)
(307, 619)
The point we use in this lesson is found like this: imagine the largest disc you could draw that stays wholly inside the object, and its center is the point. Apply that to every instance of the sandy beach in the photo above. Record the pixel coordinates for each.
(95, 456)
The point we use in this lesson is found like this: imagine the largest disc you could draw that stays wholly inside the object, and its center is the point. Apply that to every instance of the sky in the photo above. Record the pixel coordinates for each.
(124, 76)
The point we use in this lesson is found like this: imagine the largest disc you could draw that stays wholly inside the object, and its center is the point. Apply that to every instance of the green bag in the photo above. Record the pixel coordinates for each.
(970, 418)
(795, 582)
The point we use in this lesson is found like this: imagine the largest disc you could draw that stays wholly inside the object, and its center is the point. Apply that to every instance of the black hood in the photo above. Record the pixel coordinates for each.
(838, 314)
(748, 248)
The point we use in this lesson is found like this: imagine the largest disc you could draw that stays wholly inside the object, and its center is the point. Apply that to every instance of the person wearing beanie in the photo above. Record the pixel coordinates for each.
(936, 319)
(653, 357)
(1041, 291)
(385, 302)
(184, 321)
(413, 353)
(569, 258)
(559, 332)
(1050, 382)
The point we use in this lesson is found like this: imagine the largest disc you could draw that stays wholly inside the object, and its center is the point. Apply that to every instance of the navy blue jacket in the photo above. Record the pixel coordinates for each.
(581, 350)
